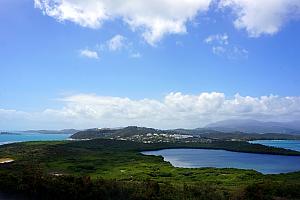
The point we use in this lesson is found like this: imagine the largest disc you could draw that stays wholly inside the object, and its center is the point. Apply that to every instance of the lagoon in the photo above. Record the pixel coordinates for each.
(25, 137)
(199, 158)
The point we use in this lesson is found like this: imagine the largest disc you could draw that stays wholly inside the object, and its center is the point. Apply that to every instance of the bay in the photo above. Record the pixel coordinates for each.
(25, 137)
(286, 144)
(199, 158)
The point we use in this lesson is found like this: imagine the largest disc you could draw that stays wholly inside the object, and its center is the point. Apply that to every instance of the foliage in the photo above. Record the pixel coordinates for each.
(110, 169)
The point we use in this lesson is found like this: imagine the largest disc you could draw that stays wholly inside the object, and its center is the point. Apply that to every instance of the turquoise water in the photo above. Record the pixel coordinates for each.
(286, 144)
(24, 137)
(197, 158)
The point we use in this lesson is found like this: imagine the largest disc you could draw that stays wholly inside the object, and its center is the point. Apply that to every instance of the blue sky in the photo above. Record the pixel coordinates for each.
(63, 62)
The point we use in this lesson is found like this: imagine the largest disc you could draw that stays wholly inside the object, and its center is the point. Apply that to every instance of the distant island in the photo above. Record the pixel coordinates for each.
(8, 133)
(64, 131)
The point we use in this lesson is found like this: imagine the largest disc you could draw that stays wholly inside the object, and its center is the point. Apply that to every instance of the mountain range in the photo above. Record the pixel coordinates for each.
(255, 126)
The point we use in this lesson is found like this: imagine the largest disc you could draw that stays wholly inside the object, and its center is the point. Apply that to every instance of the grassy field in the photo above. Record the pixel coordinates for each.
(122, 161)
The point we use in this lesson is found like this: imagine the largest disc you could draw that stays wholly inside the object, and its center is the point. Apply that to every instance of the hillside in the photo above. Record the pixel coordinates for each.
(115, 133)
(150, 135)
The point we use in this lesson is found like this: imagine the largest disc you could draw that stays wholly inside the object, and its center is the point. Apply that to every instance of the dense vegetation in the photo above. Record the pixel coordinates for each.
(122, 132)
(110, 169)
(39, 186)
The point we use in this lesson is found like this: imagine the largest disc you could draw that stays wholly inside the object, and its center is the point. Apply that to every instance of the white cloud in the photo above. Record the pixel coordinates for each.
(119, 43)
(232, 53)
(173, 111)
(154, 18)
(89, 53)
(238, 52)
(218, 50)
(116, 43)
(221, 46)
(221, 39)
(136, 55)
(262, 16)
(157, 18)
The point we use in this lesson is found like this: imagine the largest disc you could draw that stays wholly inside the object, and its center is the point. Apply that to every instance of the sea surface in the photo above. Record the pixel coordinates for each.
(198, 158)
(24, 137)
(286, 144)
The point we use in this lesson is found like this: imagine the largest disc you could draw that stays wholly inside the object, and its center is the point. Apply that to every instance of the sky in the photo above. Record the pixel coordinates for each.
(159, 63)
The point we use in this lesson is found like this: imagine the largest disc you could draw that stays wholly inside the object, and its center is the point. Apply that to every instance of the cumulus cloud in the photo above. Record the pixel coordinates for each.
(116, 43)
(154, 18)
(173, 111)
(262, 16)
(89, 53)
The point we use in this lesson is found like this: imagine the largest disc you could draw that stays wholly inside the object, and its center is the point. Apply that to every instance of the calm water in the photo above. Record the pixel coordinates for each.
(24, 137)
(287, 144)
(197, 158)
